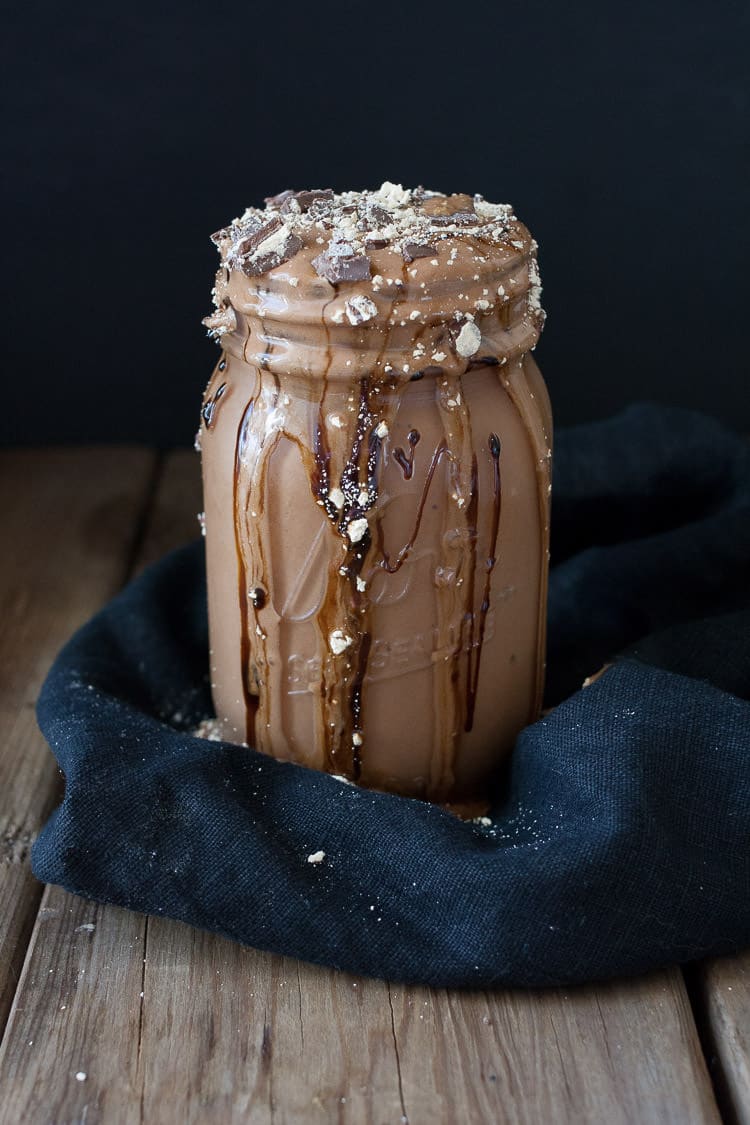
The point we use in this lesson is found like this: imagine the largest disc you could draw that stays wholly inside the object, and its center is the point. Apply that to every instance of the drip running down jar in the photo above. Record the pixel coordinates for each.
(376, 459)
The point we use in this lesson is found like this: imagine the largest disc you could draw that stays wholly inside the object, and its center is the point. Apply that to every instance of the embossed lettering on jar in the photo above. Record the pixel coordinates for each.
(376, 453)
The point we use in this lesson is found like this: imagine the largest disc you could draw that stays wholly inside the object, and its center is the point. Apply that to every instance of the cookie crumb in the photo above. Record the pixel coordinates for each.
(468, 340)
(339, 641)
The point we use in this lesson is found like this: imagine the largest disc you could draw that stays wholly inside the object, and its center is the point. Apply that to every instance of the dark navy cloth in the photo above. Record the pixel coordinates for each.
(619, 842)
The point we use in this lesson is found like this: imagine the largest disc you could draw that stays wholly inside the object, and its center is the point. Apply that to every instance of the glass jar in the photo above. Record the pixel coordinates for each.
(377, 512)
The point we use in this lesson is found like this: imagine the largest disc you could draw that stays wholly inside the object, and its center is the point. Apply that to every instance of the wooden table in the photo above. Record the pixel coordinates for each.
(113, 1017)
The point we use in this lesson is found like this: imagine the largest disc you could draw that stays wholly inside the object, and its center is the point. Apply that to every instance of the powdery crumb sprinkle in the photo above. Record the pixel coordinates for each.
(210, 729)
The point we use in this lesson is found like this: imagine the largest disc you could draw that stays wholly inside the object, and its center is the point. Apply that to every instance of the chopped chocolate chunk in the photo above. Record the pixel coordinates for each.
(318, 195)
(335, 265)
(299, 202)
(456, 218)
(375, 243)
(379, 215)
(282, 197)
(251, 242)
(412, 250)
(266, 248)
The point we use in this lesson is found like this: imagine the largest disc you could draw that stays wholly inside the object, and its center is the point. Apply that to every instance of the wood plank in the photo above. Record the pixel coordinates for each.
(78, 1006)
(265, 1039)
(724, 999)
(69, 522)
(70, 1052)
(621, 1053)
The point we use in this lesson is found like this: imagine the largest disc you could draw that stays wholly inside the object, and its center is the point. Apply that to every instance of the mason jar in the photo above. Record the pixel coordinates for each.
(376, 460)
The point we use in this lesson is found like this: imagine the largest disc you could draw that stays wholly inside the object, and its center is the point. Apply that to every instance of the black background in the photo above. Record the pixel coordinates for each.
(133, 132)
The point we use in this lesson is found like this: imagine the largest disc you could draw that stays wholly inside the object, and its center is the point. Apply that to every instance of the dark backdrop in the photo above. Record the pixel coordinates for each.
(135, 130)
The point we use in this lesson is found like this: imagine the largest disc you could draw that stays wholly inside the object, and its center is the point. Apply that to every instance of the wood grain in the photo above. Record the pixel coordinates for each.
(78, 1006)
(617, 1053)
(231, 1035)
(76, 1013)
(69, 521)
(724, 987)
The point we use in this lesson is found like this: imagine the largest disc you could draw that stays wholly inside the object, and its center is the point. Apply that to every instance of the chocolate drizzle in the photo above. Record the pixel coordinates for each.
(210, 406)
(468, 632)
(346, 505)
(242, 592)
(476, 643)
(403, 553)
(406, 460)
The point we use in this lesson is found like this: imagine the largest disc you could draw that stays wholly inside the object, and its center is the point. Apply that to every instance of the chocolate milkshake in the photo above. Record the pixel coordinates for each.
(376, 457)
